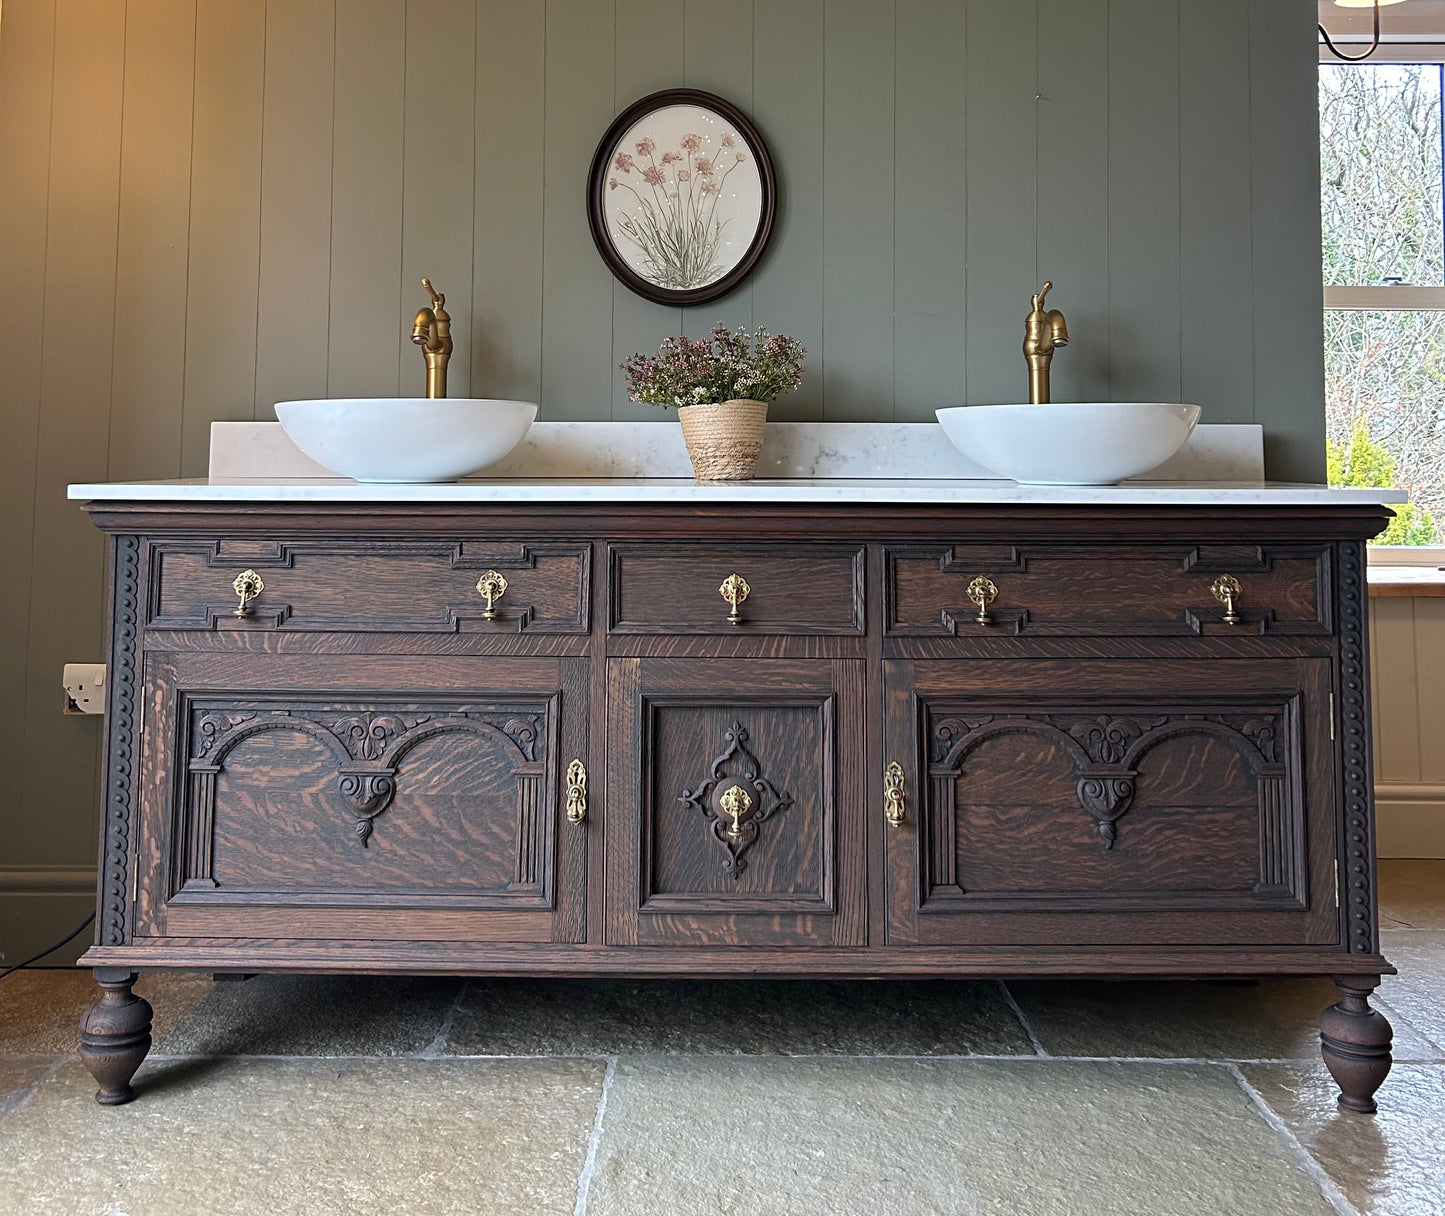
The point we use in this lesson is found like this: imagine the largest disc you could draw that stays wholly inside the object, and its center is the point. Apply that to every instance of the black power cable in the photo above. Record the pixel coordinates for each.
(49, 949)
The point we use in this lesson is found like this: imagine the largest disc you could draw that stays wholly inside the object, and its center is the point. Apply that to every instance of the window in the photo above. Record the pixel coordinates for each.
(1382, 178)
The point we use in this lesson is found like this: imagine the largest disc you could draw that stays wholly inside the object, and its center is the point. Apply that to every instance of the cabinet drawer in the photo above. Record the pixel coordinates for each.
(790, 588)
(1107, 591)
(422, 586)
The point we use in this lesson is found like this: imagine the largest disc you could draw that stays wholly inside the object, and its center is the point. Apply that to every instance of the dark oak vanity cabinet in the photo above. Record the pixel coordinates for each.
(493, 738)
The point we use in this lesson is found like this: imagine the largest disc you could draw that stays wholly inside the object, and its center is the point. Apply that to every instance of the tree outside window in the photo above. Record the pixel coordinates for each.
(1382, 176)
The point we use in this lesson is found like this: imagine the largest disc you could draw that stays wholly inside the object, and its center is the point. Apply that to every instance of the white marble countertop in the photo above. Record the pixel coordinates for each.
(841, 491)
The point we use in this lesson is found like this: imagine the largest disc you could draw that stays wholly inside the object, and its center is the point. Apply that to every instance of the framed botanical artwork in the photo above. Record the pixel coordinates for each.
(681, 196)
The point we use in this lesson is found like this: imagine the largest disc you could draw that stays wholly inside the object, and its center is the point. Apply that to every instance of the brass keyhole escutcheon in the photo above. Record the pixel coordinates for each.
(982, 592)
(735, 804)
(734, 590)
(1227, 590)
(576, 792)
(894, 807)
(248, 586)
(491, 587)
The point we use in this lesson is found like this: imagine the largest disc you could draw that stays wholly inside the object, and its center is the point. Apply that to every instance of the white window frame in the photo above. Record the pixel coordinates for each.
(1403, 296)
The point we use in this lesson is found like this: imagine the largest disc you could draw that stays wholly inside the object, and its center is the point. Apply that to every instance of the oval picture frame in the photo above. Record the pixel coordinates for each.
(681, 197)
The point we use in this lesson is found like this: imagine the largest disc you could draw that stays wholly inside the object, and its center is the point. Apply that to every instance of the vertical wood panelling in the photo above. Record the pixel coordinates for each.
(293, 304)
(27, 61)
(1073, 191)
(1144, 306)
(1001, 134)
(148, 372)
(225, 231)
(934, 158)
(1397, 745)
(1285, 166)
(650, 49)
(928, 210)
(858, 168)
(788, 107)
(718, 58)
(72, 438)
(576, 286)
(362, 356)
(1429, 634)
(1214, 219)
(439, 176)
(507, 224)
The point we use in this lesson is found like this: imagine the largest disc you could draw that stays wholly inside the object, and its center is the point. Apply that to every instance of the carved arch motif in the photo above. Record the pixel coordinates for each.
(1106, 748)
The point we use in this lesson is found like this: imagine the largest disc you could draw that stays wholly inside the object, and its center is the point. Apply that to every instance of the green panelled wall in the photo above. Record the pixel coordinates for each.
(212, 204)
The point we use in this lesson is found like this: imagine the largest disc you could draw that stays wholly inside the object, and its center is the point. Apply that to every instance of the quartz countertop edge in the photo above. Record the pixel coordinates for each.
(682, 490)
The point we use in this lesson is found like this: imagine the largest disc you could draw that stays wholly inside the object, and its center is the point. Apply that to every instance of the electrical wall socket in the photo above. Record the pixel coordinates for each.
(84, 688)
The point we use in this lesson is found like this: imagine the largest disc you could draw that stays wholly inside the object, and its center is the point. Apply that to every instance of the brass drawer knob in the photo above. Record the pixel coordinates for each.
(248, 586)
(735, 804)
(982, 592)
(576, 792)
(894, 807)
(491, 587)
(1226, 590)
(735, 590)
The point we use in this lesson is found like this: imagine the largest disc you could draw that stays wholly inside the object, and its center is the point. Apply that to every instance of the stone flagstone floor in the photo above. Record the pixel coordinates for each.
(318, 1095)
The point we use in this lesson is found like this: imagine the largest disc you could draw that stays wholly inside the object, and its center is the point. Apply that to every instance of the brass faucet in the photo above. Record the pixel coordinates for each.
(1046, 330)
(432, 331)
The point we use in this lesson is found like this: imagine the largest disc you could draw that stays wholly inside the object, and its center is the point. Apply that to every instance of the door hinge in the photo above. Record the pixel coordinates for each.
(1332, 717)
(141, 720)
(135, 881)
(1337, 882)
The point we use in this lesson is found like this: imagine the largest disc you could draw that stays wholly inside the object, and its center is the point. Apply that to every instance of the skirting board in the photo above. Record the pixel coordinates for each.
(1410, 820)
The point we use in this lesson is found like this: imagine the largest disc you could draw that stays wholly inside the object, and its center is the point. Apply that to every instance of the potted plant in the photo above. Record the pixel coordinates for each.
(720, 386)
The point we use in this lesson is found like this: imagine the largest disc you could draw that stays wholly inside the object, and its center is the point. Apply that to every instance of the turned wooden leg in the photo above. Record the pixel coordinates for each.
(1355, 1042)
(115, 1034)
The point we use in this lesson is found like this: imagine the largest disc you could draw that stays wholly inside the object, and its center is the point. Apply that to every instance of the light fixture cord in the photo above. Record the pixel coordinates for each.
(1373, 47)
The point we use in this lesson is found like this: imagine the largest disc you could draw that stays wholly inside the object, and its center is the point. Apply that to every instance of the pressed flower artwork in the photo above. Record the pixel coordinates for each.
(681, 197)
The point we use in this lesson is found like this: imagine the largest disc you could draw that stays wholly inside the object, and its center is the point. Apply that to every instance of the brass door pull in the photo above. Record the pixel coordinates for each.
(491, 587)
(735, 804)
(894, 807)
(576, 792)
(982, 592)
(735, 590)
(1226, 590)
(248, 586)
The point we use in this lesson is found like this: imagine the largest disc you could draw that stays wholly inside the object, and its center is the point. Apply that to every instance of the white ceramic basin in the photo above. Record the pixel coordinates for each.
(1070, 444)
(406, 439)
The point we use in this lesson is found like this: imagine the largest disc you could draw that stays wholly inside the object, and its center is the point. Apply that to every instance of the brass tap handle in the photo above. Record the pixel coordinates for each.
(894, 807)
(735, 590)
(576, 792)
(735, 804)
(248, 586)
(1226, 590)
(491, 587)
(983, 592)
(438, 299)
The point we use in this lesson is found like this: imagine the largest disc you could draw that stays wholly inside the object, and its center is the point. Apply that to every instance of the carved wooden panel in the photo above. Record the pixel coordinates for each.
(1114, 793)
(400, 586)
(792, 588)
(1106, 591)
(744, 781)
(442, 800)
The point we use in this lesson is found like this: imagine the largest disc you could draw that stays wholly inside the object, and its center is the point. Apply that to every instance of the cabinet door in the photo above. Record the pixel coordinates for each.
(362, 798)
(734, 812)
(1094, 802)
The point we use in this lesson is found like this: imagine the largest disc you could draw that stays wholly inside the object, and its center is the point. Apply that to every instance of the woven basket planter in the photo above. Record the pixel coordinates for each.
(724, 441)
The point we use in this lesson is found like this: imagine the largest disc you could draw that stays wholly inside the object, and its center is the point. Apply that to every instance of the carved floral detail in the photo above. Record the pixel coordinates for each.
(369, 794)
(735, 817)
(1107, 738)
(367, 735)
